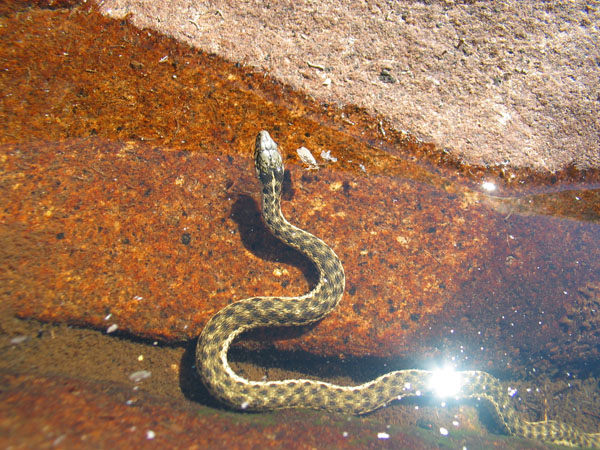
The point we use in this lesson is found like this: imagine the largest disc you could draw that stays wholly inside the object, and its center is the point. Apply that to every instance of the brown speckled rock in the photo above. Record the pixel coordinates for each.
(129, 200)
(157, 241)
(62, 412)
(40, 412)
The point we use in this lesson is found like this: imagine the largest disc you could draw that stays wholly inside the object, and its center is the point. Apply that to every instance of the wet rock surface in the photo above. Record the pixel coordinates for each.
(512, 83)
(129, 205)
(154, 242)
(33, 417)
(64, 386)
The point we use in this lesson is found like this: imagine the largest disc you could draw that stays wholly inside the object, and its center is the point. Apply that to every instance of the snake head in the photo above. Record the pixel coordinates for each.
(267, 159)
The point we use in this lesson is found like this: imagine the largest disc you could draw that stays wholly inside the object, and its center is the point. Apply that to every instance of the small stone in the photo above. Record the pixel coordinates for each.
(386, 76)
(19, 339)
(306, 157)
(140, 375)
(326, 155)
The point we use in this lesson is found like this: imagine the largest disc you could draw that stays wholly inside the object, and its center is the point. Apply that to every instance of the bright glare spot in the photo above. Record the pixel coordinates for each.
(446, 382)
(443, 431)
(150, 434)
(383, 436)
(488, 186)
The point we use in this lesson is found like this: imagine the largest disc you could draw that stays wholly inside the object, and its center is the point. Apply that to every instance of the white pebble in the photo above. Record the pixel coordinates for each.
(326, 155)
(140, 375)
(443, 431)
(345, 434)
(19, 339)
(306, 157)
(383, 436)
(150, 434)
(114, 327)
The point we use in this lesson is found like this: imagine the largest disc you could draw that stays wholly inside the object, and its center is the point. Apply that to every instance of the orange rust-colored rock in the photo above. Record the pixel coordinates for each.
(75, 73)
(100, 228)
(128, 197)
(157, 241)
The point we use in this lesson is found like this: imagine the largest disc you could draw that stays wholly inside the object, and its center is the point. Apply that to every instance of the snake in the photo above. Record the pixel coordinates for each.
(259, 312)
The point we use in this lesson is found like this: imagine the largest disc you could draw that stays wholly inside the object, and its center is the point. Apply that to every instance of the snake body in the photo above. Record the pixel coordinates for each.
(234, 319)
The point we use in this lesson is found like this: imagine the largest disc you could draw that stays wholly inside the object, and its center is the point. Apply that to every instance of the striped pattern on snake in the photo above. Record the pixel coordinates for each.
(231, 321)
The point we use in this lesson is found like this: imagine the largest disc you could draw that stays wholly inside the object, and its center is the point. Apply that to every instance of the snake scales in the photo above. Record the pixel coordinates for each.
(228, 323)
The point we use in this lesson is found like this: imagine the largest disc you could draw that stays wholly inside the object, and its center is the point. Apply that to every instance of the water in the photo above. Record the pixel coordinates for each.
(134, 204)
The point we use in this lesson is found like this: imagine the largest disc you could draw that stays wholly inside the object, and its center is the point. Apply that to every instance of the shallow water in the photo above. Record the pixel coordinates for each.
(134, 204)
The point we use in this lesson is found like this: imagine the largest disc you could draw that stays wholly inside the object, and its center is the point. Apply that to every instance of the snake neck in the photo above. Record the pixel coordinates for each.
(330, 286)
